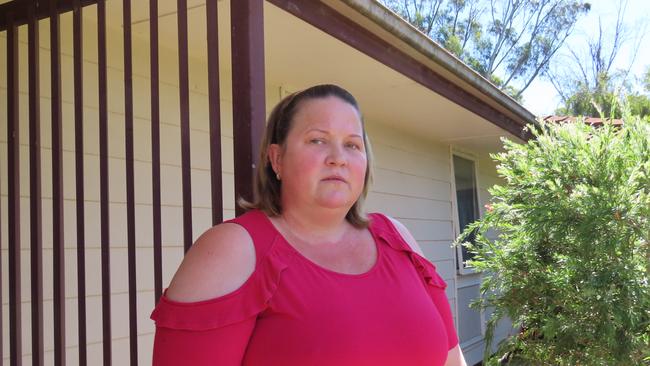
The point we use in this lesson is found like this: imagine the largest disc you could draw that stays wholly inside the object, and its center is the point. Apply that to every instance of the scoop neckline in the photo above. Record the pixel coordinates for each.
(286, 243)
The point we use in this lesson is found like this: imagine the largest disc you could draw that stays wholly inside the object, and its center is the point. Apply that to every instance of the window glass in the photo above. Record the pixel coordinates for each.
(466, 198)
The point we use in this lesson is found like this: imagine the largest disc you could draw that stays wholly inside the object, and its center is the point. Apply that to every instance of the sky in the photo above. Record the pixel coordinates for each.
(541, 98)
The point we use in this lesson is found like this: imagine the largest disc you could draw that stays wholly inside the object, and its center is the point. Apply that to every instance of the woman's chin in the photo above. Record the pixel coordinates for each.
(335, 202)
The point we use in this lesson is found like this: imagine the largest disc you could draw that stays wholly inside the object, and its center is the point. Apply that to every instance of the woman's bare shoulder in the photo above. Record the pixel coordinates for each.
(407, 236)
(218, 263)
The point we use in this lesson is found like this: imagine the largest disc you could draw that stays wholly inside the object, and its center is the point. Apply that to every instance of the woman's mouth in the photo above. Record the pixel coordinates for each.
(335, 178)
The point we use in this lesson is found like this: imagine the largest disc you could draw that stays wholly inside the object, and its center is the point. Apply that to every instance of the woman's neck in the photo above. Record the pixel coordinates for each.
(315, 226)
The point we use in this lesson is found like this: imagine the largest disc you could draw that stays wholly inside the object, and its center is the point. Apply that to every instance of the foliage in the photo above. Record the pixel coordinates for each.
(565, 246)
(604, 102)
(639, 104)
(508, 42)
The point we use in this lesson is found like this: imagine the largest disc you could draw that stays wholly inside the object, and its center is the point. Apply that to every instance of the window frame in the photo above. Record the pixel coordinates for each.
(455, 151)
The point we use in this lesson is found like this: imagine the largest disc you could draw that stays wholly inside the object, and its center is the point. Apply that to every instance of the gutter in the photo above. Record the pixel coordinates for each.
(410, 35)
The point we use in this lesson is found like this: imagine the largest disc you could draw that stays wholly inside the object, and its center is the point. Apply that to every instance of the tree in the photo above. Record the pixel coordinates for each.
(587, 82)
(570, 265)
(605, 100)
(508, 42)
(639, 104)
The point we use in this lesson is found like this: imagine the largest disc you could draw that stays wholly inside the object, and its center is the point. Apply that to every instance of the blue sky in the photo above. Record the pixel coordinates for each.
(541, 98)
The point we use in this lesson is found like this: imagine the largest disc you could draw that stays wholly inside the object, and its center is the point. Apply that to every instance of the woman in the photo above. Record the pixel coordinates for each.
(304, 277)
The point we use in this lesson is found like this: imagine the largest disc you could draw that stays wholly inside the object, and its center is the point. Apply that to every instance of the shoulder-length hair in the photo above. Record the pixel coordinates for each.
(266, 186)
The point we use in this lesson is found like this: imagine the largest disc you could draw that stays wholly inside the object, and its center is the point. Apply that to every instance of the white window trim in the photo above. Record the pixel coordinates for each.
(454, 202)
(466, 273)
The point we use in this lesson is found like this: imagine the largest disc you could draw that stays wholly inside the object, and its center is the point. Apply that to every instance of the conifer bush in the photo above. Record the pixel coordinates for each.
(564, 247)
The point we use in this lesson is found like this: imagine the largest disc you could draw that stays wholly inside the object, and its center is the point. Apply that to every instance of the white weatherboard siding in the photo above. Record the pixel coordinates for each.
(412, 184)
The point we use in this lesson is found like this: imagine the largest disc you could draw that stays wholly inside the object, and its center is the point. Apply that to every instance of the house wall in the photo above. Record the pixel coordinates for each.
(412, 183)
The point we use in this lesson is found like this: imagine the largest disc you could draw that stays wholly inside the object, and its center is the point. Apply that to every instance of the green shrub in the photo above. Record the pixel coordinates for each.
(567, 255)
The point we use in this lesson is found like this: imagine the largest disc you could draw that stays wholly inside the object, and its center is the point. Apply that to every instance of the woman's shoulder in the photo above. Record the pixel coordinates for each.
(404, 232)
(219, 262)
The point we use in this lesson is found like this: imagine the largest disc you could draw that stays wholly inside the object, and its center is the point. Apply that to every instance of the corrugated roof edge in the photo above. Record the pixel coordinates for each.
(596, 121)
(406, 32)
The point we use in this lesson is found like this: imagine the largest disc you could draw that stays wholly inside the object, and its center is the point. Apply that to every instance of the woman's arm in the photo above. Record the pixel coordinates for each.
(220, 346)
(455, 357)
(218, 263)
(407, 236)
(198, 320)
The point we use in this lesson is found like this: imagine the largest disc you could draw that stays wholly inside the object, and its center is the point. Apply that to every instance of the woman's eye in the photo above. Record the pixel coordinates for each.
(316, 141)
(354, 146)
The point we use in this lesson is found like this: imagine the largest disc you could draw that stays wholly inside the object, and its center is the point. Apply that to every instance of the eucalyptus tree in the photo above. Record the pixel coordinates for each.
(589, 78)
(509, 42)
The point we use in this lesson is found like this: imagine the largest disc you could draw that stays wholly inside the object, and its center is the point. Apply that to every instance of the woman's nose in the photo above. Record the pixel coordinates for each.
(336, 156)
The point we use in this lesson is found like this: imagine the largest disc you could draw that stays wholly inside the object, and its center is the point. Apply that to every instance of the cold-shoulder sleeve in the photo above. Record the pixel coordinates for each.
(435, 285)
(215, 331)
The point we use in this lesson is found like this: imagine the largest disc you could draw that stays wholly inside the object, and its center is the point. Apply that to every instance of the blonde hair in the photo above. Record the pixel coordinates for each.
(266, 186)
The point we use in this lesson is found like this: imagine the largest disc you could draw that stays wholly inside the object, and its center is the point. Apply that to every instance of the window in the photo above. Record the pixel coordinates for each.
(466, 201)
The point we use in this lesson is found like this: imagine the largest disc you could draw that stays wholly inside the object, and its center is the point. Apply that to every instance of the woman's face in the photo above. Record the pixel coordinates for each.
(323, 161)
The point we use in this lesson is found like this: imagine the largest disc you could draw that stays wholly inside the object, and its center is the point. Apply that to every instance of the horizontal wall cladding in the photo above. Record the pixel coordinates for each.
(409, 207)
(412, 184)
(429, 230)
(387, 180)
(412, 181)
(471, 318)
(440, 250)
(399, 160)
(405, 154)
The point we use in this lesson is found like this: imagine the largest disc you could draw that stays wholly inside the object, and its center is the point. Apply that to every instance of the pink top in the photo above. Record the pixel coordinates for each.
(292, 311)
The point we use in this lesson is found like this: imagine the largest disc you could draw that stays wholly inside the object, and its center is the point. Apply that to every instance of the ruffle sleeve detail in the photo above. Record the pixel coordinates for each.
(244, 303)
(434, 284)
(427, 271)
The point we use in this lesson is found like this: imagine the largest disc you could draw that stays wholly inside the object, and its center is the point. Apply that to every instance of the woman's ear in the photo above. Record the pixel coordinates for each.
(274, 152)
